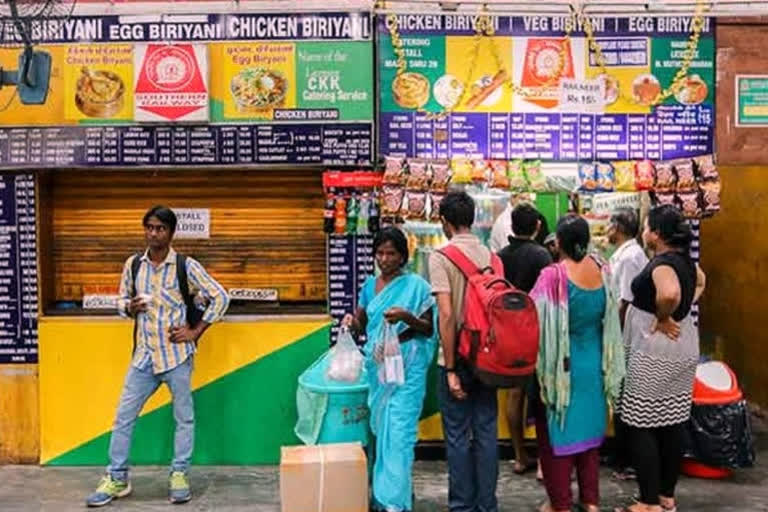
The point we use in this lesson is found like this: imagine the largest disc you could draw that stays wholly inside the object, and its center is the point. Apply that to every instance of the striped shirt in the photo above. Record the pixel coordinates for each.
(167, 308)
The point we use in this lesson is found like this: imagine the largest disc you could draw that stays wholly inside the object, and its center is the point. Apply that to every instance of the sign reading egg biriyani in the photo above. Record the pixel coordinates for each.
(205, 89)
(502, 97)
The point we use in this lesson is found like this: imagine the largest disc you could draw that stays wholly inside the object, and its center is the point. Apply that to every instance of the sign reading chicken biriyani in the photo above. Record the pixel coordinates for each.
(209, 89)
(445, 93)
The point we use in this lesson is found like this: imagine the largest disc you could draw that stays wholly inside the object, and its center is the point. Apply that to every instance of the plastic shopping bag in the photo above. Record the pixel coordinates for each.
(346, 360)
(389, 357)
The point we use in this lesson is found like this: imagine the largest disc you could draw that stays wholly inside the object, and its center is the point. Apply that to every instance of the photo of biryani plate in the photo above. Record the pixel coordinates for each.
(448, 90)
(411, 90)
(256, 90)
(99, 93)
(645, 89)
(693, 91)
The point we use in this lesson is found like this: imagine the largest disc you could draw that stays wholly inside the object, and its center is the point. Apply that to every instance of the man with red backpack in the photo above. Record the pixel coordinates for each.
(478, 312)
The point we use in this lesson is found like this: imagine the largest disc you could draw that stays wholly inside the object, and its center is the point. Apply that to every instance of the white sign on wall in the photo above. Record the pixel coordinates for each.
(193, 223)
(253, 294)
(96, 301)
(582, 95)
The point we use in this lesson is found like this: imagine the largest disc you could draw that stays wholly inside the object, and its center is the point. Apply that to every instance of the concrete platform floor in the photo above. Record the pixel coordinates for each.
(31, 489)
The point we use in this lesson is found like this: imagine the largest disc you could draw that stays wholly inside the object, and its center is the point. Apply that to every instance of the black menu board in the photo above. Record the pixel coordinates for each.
(18, 269)
(350, 263)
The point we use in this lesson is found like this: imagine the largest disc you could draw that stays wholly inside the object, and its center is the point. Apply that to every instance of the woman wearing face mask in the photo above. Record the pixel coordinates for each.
(405, 301)
(663, 350)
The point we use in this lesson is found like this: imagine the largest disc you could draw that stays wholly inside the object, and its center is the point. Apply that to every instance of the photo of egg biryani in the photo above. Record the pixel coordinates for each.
(258, 89)
(99, 93)
(693, 91)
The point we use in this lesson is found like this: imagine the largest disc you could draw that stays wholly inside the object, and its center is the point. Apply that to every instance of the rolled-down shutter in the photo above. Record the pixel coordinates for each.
(266, 227)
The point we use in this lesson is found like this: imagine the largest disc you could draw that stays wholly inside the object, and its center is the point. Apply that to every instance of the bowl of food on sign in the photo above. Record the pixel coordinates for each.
(411, 90)
(448, 90)
(258, 90)
(99, 93)
(611, 88)
(645, 89)
(693, 91)
(486, 92)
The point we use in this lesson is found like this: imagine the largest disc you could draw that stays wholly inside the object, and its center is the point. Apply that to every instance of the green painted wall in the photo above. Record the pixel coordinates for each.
(241, 418)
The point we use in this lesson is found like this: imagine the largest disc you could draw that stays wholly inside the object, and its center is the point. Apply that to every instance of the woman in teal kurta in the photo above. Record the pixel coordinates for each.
(580, 366)
(404, 301)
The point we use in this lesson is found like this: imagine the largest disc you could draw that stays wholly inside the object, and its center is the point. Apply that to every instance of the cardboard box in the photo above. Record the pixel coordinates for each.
(324, 478)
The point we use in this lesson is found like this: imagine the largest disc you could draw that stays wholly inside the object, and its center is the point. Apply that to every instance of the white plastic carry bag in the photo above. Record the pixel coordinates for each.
(346, 360)
(389, 357)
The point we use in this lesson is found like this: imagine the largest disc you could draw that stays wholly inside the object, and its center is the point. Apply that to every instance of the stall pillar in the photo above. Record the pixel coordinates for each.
(19, 414)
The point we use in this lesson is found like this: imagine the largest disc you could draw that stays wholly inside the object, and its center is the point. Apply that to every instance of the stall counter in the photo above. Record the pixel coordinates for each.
(244, 386)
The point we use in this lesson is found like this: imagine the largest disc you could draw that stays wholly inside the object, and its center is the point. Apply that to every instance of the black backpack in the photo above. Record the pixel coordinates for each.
(194, 315)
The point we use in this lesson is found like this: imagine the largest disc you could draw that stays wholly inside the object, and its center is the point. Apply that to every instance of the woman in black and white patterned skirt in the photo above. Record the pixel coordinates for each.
(662, 343)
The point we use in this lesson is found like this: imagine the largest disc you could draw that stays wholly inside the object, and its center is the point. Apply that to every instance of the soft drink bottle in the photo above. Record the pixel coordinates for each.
(374, 215)
(362, 216)
(340, 216)
(328, 215)
(352, 211)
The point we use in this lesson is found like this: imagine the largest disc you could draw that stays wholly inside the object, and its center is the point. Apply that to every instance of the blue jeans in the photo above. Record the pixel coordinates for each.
(140, 384)
(471, 444)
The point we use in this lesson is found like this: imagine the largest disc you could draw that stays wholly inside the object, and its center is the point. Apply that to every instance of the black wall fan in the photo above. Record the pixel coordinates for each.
(18, 21)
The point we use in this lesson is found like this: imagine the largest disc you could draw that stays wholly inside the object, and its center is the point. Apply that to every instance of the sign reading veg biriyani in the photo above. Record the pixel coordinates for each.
(209, 90)
(447, 70)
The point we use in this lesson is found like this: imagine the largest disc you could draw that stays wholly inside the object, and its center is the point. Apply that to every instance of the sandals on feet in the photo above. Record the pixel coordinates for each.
(519, 469)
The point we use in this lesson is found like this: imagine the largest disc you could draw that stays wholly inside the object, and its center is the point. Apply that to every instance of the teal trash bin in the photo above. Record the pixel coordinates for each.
(340, 408)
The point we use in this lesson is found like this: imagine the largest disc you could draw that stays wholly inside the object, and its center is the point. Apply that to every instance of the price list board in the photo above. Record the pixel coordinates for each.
(126, 146)
(350, 263)
(18, 269)
(671, 132)
(436, 111)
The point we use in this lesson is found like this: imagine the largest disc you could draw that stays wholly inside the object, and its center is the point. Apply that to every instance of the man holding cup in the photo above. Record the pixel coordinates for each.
(156, 290)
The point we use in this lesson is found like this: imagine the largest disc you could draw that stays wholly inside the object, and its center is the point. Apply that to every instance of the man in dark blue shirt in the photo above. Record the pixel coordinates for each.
(524, 259)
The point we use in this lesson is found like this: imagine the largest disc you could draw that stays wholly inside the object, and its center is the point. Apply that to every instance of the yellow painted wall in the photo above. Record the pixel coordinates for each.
(83, 362)
(735, 259)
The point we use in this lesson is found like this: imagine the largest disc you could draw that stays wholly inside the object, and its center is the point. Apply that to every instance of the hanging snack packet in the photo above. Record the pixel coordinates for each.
(435, 198)
(710, 197)
(392, 200)
(561, 177)
(625, 176)
(462, 170)
(686, 179)
(689, 204)
(516, 175)
(535, 176)
(417, 206)
(499, 178)
(393, 170)
(665, 177)
(662, 198)
(645, 175)
(480, 171)
(606, 178)
(418, 175)
(588, 177)
(441, 175)
(706, 168)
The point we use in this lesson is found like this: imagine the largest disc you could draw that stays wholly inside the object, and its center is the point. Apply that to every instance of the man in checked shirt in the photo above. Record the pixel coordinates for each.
(151, 294)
